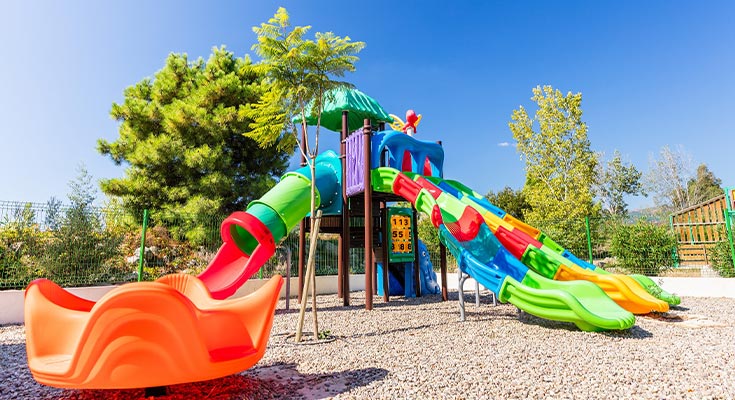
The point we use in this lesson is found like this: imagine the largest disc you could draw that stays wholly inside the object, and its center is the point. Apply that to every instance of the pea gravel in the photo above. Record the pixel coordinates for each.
(417, 349)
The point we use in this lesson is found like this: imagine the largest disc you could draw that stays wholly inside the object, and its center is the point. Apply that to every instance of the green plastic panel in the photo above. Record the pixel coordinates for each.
(535, 259)
(580, 302)
(290, 198)
(546, 241)
(270, 218)
(656, 290)
(383, 178)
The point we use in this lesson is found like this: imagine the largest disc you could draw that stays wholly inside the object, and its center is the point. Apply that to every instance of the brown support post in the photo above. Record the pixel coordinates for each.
(381, 126)
(302, 255)
(386, 249)
(340, 244)
(368, 196)
(302, 225)
(415, 240)
(443, 266)
(344, 267)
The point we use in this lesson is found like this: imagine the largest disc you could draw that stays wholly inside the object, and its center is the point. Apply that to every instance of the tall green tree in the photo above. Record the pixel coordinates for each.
(560, 167)
(301, 72)
(704, 185)
(615, 180)
(181, 138)
(511, 201)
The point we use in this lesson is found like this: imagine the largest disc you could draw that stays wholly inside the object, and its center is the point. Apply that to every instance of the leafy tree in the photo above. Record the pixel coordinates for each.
(704, 186)
(560, 167)
(301, 72)
(674, 182)
(181, 136)
(511, 201)
(615, 180)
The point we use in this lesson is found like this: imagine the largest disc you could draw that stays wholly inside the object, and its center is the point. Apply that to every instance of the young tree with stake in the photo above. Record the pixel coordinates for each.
(300, 73)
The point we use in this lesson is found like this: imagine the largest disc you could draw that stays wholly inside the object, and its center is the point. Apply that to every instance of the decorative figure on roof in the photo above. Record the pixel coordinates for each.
(409, 127)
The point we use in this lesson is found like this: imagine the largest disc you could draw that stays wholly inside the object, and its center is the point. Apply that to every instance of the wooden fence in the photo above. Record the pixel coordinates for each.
(698, 228)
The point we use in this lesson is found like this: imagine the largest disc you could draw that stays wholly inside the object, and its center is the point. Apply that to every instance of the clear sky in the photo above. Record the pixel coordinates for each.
(651, 73)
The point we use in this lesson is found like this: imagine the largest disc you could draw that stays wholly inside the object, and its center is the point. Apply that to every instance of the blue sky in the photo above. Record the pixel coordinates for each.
(651, 73)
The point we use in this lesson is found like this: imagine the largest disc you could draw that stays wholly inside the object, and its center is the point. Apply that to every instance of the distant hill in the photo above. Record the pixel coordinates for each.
(654, 214)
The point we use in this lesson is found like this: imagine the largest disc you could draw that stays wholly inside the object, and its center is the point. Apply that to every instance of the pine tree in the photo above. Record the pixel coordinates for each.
(182, 136)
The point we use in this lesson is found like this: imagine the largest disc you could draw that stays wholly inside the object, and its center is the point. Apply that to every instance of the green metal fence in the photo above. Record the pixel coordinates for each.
(85, 246)
(103, 245)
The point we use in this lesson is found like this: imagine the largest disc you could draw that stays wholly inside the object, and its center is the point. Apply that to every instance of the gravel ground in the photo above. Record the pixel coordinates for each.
(417, 348)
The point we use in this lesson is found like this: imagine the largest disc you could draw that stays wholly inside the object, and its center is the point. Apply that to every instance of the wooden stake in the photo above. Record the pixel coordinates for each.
(308, 281)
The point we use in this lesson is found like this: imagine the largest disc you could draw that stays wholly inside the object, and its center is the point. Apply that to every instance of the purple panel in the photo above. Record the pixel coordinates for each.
(355, 161)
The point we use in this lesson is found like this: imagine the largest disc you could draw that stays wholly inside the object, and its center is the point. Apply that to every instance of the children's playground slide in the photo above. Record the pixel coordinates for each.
(636, 293)
(539, 257)
(179, 328)
(479, 254)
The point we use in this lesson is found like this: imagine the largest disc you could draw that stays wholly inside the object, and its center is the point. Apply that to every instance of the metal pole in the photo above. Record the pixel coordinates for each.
(674, 257)
(589, 237)
(288, 277)
(142, 245)
(443, 267)
(415, 240)
(728, 226)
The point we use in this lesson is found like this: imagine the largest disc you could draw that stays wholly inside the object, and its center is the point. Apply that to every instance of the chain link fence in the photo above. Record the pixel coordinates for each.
(83, 246)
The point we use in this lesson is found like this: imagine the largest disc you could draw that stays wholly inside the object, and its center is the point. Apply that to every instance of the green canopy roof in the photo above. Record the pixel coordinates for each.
(359, 105)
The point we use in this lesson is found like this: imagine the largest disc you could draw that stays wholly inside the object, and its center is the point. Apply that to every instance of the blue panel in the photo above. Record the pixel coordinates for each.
(576, 260)
(427, 276)
(450, 189)
(396, 143)
(490, 207)
(510, 265)
(394, 284)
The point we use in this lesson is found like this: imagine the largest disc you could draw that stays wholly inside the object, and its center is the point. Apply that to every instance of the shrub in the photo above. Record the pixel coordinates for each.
(643, 248)
(722, 259)
(21, 241)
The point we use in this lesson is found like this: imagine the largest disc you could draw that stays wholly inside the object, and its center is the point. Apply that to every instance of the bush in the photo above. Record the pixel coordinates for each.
(722, 260)
(643, 248)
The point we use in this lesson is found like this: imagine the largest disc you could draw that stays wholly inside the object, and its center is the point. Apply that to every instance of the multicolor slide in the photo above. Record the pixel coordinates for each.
(179, 328)
(636, 293)
(538, 256)
(479, 253)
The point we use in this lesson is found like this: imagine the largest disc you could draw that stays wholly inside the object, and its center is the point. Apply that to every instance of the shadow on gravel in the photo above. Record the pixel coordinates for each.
(636, 332)
(278, 381)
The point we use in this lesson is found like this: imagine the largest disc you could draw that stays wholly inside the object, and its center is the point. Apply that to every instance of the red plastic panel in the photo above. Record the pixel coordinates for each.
(406, 188)
(433, 189)
(515, 244)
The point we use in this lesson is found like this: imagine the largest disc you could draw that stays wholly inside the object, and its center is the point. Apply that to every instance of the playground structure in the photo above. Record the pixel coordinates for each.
(183, 328)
